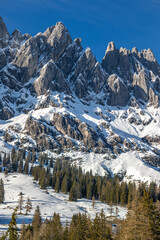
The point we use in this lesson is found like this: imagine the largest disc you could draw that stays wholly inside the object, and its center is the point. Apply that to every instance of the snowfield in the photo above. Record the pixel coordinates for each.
(129, 163)
(48, 201)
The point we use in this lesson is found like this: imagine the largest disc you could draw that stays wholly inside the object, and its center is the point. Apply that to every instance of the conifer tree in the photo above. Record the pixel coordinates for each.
(57, 184)
(42, 179)
(36, 223)
(74, 193)
(2, 192)
(20, 202)
(12, 229)
(20, 167)
(142, 222)
(64, 185)
(26, 166)
(4, 160)
(33, 156)
(28, 206)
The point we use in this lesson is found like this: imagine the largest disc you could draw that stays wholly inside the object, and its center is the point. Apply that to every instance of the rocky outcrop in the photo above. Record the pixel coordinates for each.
(141, 85)
(119, 95)
(77, 130)
(137, 69)
(27, 59)
(6, 113)
(50, 78)
(59, 39)
(3, 59)
(4, 35)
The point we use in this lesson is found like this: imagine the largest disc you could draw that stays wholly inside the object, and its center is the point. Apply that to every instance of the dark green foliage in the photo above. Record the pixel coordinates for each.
(12, 229)
(65, 175)
(74, 193)
(2, 192)
(20, 202)
(26, 166)
(36, 223)
(143, 220)
(20, 167)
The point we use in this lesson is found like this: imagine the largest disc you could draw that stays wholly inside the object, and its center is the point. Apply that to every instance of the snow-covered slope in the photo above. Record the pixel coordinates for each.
(48, 201)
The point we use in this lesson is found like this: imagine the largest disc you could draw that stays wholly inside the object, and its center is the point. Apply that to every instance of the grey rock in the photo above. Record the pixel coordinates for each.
(4, 35)
(50, 78)
(27, 59)
(119, 95)
(59, 39)
(141, 85)
(80, 86)
(3, 59)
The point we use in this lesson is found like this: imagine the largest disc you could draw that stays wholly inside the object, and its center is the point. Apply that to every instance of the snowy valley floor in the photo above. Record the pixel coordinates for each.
(48, 201)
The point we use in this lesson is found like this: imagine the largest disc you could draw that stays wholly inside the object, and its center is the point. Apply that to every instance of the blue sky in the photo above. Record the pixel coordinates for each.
(128, 23)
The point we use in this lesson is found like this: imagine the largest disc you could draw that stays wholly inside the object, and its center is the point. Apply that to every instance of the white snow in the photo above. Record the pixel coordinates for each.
(48, 201)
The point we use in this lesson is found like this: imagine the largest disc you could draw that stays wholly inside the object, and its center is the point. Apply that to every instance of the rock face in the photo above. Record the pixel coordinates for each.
(50, 78)
(4, 35)
(52, 61)
(139, 71)
(119, 95)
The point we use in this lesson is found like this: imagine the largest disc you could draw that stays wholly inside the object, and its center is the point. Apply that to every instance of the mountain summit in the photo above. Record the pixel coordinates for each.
(56, 96)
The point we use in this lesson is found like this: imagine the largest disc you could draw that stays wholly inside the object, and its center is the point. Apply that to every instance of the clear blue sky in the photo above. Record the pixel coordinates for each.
(128, 23)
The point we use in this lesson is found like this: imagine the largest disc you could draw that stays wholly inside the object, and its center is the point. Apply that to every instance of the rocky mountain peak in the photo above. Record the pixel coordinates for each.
(48, 31)
(111, 47)
(4, 35)
(134, 50)
(148, 55)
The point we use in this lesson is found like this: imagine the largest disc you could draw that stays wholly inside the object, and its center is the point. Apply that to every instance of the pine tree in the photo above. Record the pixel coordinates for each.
(22, 232)
(43, 179)
(64, 185)
(57, 184)
(93, 202)
(26, 167)
(20, 202)
(36, 223)
(20, 167)
(33, 156)
(12, 229)
(28, 206)
(142, 222)
(2, 192)
(6, 172)
(4, 160)
(74, 193)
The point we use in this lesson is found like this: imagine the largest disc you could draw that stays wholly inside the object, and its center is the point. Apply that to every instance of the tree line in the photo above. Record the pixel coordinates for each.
(64, 176)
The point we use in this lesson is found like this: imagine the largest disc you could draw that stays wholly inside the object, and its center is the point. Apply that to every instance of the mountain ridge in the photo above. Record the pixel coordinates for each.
(55, 96)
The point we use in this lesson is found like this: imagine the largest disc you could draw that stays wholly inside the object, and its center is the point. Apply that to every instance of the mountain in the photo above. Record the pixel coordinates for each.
(56, 97)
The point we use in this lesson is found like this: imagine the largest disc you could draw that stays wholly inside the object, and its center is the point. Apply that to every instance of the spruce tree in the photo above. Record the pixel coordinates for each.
(74, 193)
(64, 185)
(20, 202)
(2, 192)
(26, 167)
(36, 223)
(28, 206)
(142, 222)
(12, 229)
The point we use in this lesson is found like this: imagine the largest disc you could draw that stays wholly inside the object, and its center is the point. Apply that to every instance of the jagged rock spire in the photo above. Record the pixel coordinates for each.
(4, 35)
